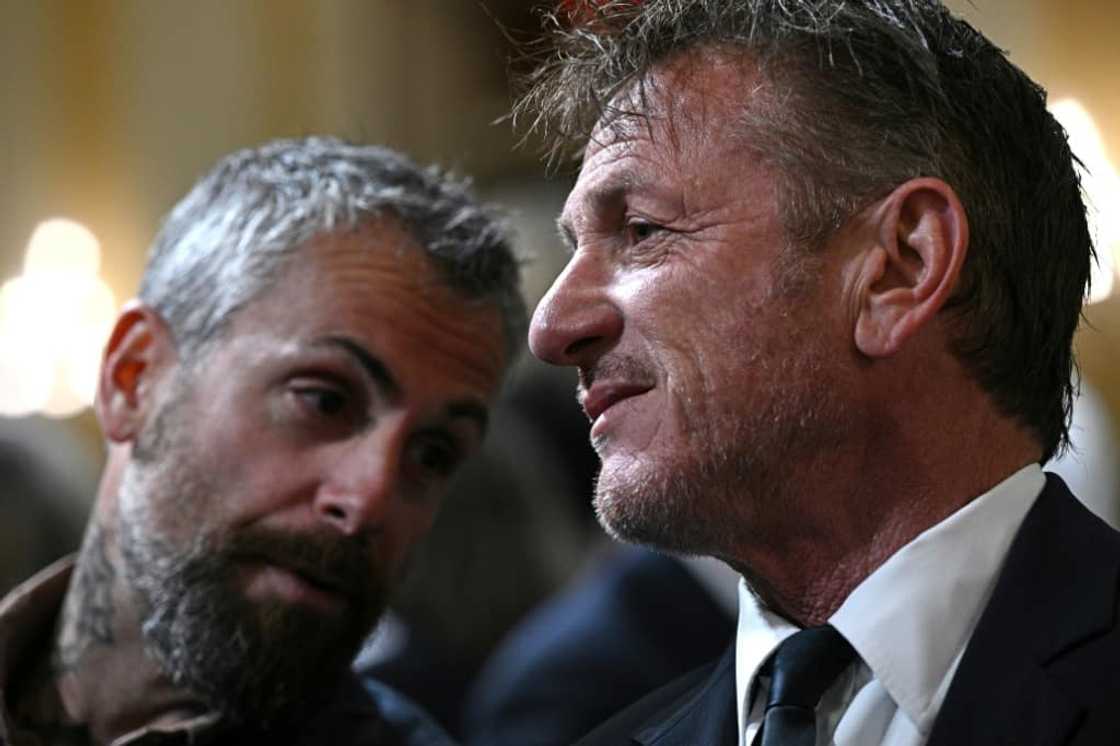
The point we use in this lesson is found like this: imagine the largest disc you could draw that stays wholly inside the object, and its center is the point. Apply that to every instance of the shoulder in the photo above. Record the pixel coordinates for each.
(1059, 584)
(367, 711)
(412, 724)
(636, 622)
(1052, 626)
(698, 695)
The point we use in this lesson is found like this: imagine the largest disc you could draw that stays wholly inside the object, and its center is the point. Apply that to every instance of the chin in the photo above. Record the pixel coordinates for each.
(672, 508)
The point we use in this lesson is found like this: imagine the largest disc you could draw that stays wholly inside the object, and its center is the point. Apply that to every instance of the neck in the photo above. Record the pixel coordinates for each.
(854, 508)
(98, 677)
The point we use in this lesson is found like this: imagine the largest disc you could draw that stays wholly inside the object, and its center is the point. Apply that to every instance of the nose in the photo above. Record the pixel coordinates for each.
(362, 484)
(576, 321)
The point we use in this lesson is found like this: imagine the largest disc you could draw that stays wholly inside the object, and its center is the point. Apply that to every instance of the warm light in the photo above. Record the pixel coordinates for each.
(61, 245)
(81, 364)
(26, 375)
(1101, 184)
(63, 401)
(54, 320)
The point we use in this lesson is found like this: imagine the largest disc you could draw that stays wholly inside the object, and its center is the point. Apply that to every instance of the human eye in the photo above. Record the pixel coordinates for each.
(639, 230)
(325, 402)
(322, 402)
(433, 456)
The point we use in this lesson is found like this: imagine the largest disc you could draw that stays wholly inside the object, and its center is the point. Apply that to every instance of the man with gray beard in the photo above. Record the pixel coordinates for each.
(827, 261)
(320, 331)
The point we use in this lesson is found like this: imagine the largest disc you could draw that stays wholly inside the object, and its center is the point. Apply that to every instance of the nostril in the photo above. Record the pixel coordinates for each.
(335, 513)
(577, 347)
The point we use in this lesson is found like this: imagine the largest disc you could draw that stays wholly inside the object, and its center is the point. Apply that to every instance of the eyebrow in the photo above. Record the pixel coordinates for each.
(599, 198)
(379, 373)
(374, 368)
(566, 233)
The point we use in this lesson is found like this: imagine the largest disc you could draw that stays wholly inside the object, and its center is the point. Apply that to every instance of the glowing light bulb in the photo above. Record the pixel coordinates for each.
(54, 320)
(62, 246)
(26, 367)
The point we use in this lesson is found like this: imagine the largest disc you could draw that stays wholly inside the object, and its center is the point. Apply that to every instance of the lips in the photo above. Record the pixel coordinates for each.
(602, 396)
(316, 578)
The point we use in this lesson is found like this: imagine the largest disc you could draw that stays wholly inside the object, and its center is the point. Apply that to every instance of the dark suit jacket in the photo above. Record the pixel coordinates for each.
(1042, 667)
(637, 622)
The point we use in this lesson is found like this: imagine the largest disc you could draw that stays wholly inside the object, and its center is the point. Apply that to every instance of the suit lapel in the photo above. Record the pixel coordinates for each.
(707, 715)
(1057, 589)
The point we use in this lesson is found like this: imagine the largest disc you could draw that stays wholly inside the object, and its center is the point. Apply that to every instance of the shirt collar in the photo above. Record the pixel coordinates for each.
(760, 631)
(911, 619)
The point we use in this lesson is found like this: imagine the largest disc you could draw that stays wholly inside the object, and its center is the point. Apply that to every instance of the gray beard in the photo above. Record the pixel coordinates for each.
(733, 482)
(688, 509)
(253, 662)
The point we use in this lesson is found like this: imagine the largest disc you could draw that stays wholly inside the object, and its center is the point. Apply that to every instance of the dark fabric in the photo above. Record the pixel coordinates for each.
(696, 710)
(369, 712)
(637, 622)
(1042, 667)
(429, 673)
(801, 670)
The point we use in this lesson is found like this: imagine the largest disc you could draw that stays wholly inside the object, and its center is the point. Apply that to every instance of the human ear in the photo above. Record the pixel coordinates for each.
(911, 271)
(140, 352)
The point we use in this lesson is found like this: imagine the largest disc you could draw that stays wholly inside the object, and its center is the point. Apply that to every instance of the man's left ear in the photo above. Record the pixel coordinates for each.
(906, 277)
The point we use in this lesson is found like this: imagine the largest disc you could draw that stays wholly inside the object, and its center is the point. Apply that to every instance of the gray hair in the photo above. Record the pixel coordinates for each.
(229, 239)
(857, 97)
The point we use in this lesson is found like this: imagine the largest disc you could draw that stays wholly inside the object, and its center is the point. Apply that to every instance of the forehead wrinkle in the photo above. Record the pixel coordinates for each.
(654, 103)
(453, 328)
(631, 167)
(682, 94)
(425, 307)
(696, 105)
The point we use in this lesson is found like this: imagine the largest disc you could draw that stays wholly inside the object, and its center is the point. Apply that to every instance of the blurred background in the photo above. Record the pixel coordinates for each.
(110, 109)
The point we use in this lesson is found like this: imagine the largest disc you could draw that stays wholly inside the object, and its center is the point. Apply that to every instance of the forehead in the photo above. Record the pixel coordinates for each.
(696, 96)
(375, 285)
(682, 123)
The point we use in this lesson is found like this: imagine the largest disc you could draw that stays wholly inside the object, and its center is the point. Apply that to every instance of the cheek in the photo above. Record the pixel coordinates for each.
(706, 351)
(418, 521)
(409, 526)
(254, 479)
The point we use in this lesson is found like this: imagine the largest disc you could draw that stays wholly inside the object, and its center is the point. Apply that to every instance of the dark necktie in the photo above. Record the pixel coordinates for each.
(801, 670)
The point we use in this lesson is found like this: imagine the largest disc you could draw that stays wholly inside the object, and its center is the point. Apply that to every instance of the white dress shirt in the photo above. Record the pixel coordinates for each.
(909, 622)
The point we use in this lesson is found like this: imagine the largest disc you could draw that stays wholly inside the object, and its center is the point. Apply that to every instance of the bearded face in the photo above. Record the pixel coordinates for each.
(280, 477)
(249, 658)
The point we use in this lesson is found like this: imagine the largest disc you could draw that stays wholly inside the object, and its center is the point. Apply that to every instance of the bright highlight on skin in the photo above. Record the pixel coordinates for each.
(1101, 183)
(54, 319)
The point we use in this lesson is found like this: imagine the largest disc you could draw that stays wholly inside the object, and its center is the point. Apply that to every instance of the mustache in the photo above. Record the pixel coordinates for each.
(340, 564)
(619, 368)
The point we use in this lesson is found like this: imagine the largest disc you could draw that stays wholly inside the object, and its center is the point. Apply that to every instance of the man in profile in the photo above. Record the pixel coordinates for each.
(828, 258)
(320, 330)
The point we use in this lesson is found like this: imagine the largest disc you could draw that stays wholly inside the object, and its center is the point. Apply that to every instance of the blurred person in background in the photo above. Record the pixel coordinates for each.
(827, 263)
(320, 331)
